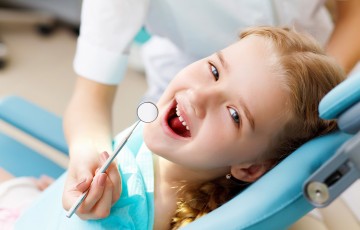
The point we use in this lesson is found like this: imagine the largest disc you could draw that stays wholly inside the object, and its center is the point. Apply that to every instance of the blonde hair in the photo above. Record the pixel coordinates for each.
(307, 74)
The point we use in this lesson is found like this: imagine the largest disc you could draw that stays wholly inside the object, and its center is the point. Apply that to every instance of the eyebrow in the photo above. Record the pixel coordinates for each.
(222, 60)
(248, 115)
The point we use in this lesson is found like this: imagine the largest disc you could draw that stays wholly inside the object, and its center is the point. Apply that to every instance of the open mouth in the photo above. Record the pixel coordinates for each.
(177, 123)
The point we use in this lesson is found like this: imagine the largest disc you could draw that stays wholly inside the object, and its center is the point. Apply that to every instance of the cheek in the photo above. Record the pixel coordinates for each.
(217, 130)
(224, 147)
(216, 144)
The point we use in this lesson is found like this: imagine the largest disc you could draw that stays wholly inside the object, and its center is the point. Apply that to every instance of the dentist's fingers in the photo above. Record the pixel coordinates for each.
(97, 204)
(114, 176)
(75, 186)
(94, 195)
(103, 207)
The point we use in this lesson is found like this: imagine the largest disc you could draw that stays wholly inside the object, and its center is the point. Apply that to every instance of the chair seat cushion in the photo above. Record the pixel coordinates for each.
(20, 160)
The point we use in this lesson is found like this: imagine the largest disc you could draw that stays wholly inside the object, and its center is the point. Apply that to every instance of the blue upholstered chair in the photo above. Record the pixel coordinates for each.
(16, 157)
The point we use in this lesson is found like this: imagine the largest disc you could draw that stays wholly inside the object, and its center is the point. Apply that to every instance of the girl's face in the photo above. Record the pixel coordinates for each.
(231, 104)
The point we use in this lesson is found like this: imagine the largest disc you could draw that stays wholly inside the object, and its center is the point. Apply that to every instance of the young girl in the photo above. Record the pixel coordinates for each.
(224, 121)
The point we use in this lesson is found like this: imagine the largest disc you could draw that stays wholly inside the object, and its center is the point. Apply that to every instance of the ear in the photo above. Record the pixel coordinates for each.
(250, 172)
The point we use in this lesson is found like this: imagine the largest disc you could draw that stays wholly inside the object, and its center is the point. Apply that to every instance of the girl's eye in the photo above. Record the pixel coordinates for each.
(235, 116)
(214, 72)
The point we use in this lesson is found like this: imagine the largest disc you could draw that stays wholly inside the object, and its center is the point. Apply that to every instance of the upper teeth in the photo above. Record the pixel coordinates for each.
(181, 118)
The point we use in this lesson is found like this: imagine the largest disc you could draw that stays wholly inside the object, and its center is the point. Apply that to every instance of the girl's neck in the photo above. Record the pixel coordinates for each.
(169, 179)
(172, 174)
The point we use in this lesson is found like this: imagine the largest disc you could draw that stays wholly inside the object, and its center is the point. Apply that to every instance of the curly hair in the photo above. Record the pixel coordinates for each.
(307, 74)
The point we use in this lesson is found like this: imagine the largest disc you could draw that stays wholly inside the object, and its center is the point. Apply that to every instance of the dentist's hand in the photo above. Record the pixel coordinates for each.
(104, 188)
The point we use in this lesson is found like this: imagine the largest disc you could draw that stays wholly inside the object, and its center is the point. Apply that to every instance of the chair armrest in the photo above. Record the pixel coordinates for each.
(34, 120)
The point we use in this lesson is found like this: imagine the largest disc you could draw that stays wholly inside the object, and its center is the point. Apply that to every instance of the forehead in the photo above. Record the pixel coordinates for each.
(252, 50)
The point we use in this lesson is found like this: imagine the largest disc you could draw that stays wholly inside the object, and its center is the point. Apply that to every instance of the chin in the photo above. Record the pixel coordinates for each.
(150, 137)
(147, 133)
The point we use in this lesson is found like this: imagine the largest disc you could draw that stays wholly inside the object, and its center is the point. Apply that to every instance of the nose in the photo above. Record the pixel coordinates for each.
(203, 99)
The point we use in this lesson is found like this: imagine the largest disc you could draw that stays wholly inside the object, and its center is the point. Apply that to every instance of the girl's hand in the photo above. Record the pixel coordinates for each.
(104, 188)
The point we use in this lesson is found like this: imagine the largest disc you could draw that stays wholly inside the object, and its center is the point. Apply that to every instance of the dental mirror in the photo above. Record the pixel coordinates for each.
(147, 112)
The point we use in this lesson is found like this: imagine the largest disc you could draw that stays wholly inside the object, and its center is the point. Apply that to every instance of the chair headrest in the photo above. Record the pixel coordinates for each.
(341, 98)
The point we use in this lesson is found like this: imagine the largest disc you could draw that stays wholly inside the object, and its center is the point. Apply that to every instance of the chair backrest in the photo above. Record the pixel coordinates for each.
(343, 169)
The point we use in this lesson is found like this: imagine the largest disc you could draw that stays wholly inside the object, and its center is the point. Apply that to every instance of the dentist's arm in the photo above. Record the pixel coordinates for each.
(344, 43)
(87, 126)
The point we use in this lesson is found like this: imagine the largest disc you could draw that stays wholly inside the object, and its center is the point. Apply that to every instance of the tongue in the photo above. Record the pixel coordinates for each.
(178, 127)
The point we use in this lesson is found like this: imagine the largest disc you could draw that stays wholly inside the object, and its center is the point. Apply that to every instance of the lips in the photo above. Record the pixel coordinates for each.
(176, 121)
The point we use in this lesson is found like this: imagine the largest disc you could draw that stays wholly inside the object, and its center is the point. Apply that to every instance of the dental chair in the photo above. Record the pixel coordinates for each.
(20, 159)
(312, 176)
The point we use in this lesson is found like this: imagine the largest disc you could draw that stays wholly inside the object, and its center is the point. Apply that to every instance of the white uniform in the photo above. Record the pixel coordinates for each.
(182, 32)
